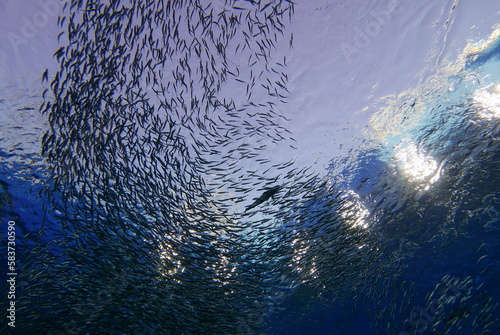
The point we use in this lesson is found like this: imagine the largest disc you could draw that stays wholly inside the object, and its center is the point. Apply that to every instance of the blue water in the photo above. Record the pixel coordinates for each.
(135, 253)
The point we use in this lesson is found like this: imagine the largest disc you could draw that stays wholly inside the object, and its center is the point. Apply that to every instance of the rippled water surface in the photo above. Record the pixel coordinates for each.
(250, 167)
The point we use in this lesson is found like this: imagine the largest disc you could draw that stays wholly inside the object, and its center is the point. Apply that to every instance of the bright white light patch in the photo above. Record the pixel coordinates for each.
(488, 99)
(355, 210)
(416, 165)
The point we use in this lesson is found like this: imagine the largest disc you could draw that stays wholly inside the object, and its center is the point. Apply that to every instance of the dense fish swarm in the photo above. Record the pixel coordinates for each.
(154, 161)
(170, 208)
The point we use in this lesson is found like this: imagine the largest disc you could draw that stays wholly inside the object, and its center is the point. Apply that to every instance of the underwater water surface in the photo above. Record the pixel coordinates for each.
(250, 167)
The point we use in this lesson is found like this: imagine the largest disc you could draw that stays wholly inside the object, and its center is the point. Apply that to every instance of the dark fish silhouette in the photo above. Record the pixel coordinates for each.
(45, 75)
(264, 197)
